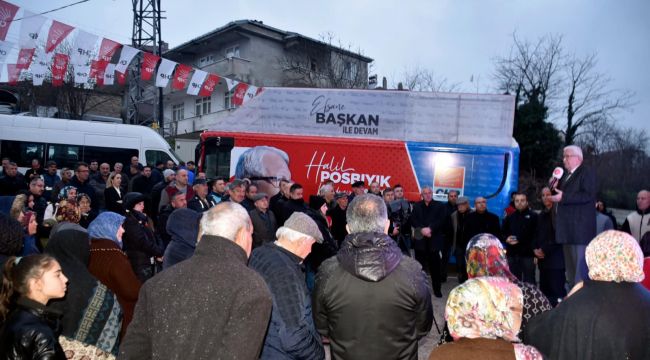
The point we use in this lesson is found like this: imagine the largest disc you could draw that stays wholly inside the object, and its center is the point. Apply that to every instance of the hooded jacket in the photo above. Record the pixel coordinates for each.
(371, 301)
(183, 229)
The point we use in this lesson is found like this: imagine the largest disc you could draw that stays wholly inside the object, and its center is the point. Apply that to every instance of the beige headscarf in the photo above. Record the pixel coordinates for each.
(614, 256)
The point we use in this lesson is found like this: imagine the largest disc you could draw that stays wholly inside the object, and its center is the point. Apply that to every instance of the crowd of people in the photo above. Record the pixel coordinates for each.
(161, 262)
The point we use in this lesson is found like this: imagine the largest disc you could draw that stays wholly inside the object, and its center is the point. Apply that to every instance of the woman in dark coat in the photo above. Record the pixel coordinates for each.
(140, 242)
(183, 227)
(113, 194)
(91, 313)
(109, 263)
(607, 316)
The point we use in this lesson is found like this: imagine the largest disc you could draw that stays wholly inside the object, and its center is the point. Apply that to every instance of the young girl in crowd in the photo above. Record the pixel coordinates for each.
(30, 329)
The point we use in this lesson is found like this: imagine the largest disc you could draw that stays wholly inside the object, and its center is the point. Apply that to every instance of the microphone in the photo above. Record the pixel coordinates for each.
(558, 172)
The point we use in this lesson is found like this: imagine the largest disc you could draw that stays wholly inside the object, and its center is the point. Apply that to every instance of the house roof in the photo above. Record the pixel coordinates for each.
(283, 36)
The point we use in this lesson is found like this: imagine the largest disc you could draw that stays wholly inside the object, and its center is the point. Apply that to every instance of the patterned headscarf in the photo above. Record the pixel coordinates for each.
(615, 256)
(105, 226)
(67, 211)
(486, 256)
(63, 194)
(483, 308)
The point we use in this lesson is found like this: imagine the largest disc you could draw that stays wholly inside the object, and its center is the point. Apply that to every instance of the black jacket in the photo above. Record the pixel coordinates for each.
(545, 240)
(432, 216)
(339, 220)
(140, 244)
(199, 205)
(31, 332)
(576, 213)
(264, 227)
(523, 225)
(477, 223)
(371, 301)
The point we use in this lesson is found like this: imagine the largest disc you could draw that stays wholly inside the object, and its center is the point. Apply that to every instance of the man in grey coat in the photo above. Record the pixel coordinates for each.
(211, 306)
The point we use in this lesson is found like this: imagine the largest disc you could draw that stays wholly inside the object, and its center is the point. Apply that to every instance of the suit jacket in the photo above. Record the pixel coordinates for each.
(576, 213)
(113, 200)
(263, 231)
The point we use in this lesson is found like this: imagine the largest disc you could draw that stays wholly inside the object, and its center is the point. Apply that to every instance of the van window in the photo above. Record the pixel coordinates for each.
(64, 155)
(109, 155)
(154, 156)
(22, 152)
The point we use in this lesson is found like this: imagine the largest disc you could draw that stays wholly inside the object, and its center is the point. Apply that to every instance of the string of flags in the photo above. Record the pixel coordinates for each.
(69, 54)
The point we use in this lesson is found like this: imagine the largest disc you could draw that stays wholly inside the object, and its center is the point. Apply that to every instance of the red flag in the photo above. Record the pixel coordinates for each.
(180, 76)
(121, 78)
(59, 69)
(108, 49)
(58, 32)
(238, 94)
(259, 90)
(25, 58)
(7, 13)
(208, 85)
(148, 65)
(13, 72)
(97, 69)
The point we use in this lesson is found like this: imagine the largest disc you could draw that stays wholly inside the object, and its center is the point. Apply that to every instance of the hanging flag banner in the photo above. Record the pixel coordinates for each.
(238, 94)
(109, 74)
(30, 27)
(58, 32)
(208, 85)
(59, 69)
(81, 73)
(180, 76)
(121, 78)
(5, 48)
(97, 69)
(13, 74)
(84, 48)
(126, 56)
(25, 58)
(40, 66)
(7, 13)
(259, 90)
(195, 83)
(165, 71)
(250, 93)
(149, 62)
(231, 83)
(108, 49)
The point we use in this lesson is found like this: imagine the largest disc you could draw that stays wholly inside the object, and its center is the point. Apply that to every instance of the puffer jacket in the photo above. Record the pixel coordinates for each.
(31, 332)
(140, 244)
(371, 301)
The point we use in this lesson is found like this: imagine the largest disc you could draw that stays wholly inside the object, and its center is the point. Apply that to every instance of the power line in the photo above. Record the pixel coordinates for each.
(53, 10)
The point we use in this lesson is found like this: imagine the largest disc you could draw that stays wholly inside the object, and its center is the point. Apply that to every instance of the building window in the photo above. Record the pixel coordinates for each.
(232, 51)
(350, 70)
(178, 112)
(227, 100)
(206, 60)
(203, 106)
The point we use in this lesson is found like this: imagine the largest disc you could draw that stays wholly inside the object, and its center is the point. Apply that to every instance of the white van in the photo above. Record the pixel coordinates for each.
(23, 138)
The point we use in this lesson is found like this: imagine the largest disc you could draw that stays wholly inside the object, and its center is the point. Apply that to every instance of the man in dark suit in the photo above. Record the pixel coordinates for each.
(576, 214)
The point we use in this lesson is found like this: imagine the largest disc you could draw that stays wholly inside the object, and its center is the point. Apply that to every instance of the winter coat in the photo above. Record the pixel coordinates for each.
(211, 306)
(371, 301)
(140, 244)
(264, 227)
(432, 216)
(576, 213)
(478, 223)
(31, 332)
(113, 200)
(183, 229)
(291, 333)
(523, 225)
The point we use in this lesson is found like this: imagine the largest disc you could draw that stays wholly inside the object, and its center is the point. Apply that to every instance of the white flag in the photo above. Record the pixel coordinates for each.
(109, 74)
(5, 49)
(165, 71)
(40, 66)
(30, 28)
(231, 83)
(250, 93)
(84, 48)
(81, 73)
(196, 82)
(126, 56)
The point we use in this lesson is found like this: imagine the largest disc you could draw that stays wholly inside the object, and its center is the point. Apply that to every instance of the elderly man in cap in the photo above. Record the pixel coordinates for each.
(237, 191)
(264, 222)
(201, 201)
(291, 333)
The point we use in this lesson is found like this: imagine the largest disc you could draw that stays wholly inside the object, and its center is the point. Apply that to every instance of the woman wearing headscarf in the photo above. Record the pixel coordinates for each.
(91, 313)
(484, 318)
(85, 211)
(28, 221)
(183, 227)
(605, 317)
(68, 194)
(109, 263)
(140, 242)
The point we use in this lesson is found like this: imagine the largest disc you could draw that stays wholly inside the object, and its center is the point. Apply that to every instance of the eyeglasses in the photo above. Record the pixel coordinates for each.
(273, 180)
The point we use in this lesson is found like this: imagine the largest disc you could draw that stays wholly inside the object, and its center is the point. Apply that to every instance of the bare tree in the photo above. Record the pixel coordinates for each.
(421, 79)
(590, 98)
(324, 63)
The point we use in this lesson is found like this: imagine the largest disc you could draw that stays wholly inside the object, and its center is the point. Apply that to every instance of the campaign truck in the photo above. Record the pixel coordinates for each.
(447, 141)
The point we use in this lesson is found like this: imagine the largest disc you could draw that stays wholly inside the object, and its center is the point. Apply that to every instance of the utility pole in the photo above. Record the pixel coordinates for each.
(143, 101)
